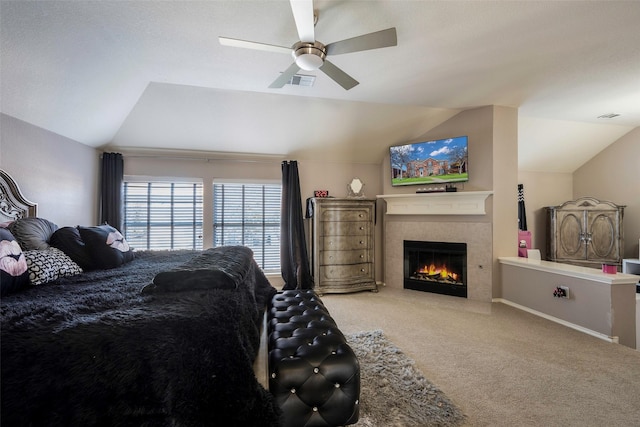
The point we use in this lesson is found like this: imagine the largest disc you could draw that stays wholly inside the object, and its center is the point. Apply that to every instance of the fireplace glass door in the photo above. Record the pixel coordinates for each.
(438, 267)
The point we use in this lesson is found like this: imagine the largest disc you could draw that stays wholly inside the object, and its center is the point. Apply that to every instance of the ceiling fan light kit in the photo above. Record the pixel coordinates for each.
(309, 54)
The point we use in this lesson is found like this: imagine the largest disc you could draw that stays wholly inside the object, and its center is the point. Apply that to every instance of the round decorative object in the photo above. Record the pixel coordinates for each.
(355, 188)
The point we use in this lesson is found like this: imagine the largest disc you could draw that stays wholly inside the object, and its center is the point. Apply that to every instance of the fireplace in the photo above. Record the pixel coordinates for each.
(439, 267)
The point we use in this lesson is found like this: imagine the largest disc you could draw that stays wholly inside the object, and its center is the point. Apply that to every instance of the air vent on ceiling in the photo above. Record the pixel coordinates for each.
(302, 80)
(609, 116)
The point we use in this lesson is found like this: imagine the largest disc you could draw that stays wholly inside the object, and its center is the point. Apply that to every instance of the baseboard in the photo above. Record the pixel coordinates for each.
(614, 340)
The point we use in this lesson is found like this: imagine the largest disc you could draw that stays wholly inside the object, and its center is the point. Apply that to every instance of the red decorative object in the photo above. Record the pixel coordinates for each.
(321, 193)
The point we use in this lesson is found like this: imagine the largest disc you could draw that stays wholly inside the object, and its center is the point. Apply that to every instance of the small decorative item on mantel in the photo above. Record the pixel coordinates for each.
(321, 193)
(355, 188)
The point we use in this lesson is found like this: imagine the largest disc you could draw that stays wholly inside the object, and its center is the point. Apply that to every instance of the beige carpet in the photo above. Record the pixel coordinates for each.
(500, 365)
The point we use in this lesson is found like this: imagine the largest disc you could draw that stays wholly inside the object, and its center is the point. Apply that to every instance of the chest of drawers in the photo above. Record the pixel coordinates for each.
(342, 245)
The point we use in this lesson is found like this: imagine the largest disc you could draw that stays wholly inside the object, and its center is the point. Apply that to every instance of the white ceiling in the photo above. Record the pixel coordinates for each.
(152, 75)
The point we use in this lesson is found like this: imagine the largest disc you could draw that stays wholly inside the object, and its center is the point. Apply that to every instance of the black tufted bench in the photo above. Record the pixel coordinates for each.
(313, 373)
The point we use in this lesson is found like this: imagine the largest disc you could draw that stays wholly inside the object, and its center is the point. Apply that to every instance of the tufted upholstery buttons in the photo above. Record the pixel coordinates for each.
(315, 374)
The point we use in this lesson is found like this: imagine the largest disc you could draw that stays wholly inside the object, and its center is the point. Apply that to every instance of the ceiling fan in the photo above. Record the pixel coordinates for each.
(310, 54)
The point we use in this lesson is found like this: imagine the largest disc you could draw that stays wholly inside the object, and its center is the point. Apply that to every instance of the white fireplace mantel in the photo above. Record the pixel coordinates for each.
(445, 203)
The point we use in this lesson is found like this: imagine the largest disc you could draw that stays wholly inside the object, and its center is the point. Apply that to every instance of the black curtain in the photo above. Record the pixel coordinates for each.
(111, 189)
(522, 215)
(294, 259)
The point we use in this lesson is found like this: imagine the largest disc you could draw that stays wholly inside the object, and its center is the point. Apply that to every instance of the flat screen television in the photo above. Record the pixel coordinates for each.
(430, 162)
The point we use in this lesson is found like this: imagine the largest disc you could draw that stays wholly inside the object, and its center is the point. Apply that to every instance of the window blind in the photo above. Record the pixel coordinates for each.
(163, 215)
(249, 215)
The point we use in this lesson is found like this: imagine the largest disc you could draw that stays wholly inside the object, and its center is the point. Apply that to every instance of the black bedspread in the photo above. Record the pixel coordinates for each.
(94, 350)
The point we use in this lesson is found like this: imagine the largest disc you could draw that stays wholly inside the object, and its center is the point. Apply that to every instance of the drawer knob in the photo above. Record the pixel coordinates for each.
(361, 242)
(362, 269)
(361, 256)
(361, 228)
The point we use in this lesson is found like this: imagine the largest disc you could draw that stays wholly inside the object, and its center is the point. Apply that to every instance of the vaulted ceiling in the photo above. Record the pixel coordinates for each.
(153, 75)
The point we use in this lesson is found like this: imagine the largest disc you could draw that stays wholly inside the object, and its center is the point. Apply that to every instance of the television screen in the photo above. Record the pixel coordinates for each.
(430, 162)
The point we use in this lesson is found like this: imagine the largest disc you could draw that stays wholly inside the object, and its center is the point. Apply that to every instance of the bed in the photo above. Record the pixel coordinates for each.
(167, 338)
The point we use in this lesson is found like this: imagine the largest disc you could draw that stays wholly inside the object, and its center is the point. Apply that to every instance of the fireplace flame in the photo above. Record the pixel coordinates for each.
(442, 271)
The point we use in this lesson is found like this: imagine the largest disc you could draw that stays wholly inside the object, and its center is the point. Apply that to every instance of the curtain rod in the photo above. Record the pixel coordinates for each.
(202, 159)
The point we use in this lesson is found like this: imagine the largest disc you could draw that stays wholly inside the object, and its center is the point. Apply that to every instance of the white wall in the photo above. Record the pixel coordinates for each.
(59, 174)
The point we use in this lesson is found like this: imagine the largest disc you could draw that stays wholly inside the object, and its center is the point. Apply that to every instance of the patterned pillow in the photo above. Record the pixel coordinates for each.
(13, 266)
(49, 264)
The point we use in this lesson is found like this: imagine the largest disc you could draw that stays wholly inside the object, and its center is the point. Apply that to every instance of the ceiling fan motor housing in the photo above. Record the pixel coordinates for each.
(309, 56)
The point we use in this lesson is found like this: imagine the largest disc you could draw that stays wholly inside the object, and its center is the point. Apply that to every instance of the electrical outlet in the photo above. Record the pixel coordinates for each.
(561, 292)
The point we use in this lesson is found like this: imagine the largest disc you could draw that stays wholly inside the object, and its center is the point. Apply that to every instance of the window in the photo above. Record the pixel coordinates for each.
(163, 215)
(248, 214)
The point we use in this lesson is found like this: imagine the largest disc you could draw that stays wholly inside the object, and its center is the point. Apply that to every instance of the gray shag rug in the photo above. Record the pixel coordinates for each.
(393, 392)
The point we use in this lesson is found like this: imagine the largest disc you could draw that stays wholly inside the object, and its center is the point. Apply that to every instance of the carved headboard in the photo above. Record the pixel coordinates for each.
(13, 204)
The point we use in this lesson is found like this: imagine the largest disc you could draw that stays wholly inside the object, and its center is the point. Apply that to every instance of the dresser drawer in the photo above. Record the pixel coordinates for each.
(352, 273)
(351, 214)
(345, 243)
(354, 228)
(345, 257)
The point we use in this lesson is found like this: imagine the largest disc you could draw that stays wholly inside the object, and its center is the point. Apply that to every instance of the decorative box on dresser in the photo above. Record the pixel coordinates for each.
(342, 244)
(585, 232)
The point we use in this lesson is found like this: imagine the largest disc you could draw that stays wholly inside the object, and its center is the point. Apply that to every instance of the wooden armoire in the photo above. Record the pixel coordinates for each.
(586, 231)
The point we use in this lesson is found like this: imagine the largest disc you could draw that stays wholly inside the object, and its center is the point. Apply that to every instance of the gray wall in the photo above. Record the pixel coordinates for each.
(59, 174)
(593, 303)
(540, 190)
(611, 175)
(62, 175)
(333, 177)
(493, 155)
(614, 175)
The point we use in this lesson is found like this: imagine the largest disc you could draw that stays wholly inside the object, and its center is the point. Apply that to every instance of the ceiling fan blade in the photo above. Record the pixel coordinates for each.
(339, 76)
(303, 15)
(225, 41)
(383, 38)
(285, 77)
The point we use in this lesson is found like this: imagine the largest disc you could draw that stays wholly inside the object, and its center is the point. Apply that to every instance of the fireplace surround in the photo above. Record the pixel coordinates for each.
(442, 217)
(477, 236)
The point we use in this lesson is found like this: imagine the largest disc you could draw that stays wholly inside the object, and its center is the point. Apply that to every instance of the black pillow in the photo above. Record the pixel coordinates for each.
(32, 233)
(106, 246)
(14, 274)
(69, 241)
